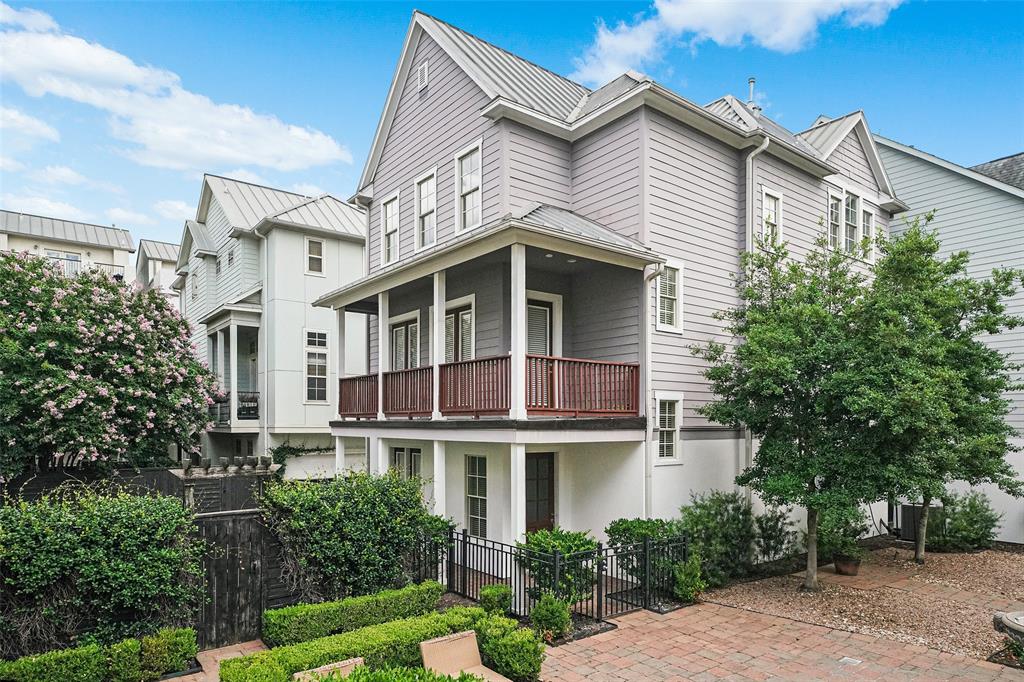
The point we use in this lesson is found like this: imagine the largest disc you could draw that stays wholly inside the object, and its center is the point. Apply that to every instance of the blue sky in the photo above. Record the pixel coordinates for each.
(111, 112)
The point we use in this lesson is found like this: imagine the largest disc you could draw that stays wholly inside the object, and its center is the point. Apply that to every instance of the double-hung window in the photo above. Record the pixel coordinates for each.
(216, 266)
(771, 216)
(316, 366)
(426, 211)
(670, 314)
(458, 334)
(389, 226)
(867, 226)
(669, 408)
(406, 462)
(467, 175)
(405, 344)
(476, 495)
(314, 256)
(852, 222)
(195, 286)
(835, 209)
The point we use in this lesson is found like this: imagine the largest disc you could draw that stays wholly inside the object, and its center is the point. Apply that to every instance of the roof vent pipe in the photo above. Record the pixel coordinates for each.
(750, 102)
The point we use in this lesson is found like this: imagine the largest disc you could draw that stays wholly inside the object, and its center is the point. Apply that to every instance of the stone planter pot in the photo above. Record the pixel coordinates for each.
(846, 565)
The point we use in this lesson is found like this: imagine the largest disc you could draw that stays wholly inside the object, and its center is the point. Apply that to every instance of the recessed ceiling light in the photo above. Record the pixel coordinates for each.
(571, 260)
(549, 255)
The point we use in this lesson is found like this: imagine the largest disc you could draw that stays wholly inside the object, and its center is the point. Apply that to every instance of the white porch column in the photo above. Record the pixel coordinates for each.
(373, 447)
(233, 360)
(517, 490)
(518, 341)
(339, 456)
(341, 343)
(440, 499)
(221, 358)
(437, 339)
(383, 348)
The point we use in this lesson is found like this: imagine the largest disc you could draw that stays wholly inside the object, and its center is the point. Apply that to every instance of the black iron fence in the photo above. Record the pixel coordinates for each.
(602, 583)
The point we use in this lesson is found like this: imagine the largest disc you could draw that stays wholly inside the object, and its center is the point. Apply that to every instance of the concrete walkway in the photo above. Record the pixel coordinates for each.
(710, 642)
(211, 658)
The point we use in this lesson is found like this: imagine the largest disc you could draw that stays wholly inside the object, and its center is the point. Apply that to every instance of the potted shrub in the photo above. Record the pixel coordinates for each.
(839, 529)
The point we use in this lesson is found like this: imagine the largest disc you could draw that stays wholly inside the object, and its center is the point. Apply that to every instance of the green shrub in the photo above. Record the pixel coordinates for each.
(967, 522)
(623, 533)
(721, 530)
(496, 598)
(689, 584)
(388, 644)
(84, 664)
(512, 651)
(81, 565)
(576, 575)
(349, 536)
(303, 622)
(839, 529)
(551, 618)
(124, 661)
(364, 674)
(169, 650)
(776, 537)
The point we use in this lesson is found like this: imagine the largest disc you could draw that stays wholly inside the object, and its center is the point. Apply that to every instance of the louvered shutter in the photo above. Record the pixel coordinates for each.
(414, 345)
(449, 338)
(466, 335)
(667, 296)
(538, 330)
(398, 348)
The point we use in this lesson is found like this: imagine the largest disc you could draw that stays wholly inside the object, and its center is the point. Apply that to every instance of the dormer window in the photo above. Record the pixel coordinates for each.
(468, 180)
(422, 75)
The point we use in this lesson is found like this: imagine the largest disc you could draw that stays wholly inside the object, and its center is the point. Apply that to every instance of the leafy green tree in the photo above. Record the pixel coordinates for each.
(928, 387)
(793, 334)
(92, 370)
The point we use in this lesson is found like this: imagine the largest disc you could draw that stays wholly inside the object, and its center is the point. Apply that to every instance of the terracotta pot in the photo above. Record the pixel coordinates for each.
(846, 565)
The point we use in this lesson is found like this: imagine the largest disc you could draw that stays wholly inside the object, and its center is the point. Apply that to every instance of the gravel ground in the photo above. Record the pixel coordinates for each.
(952, 626)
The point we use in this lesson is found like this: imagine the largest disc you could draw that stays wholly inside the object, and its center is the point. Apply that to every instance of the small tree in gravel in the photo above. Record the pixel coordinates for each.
(784, 380)
(92, 370)
(928, 386)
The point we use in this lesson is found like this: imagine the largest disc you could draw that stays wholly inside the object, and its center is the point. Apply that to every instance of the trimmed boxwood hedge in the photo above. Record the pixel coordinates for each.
(364, 674)
(504, 647)
(304, 622)
(169, 650)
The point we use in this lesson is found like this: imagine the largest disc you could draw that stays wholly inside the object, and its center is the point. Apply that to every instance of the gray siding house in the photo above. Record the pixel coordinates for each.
(979, 210)
(540, 258)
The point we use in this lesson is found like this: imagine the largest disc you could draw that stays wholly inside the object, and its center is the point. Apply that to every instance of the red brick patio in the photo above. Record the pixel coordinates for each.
(710, 642)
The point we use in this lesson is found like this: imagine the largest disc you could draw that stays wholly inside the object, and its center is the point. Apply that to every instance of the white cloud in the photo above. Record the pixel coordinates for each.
(163, 124)
(12, 120)
(246, 176)
(9, 165)
(63, 175)
(43, 206)
(29, 19)
(307, 188)
(173, 209)
(779, 25)
(124, 216)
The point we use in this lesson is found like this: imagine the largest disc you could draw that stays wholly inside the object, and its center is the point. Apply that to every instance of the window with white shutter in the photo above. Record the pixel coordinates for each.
(538, 328)
(670, 314)
(458, 335)
(405, 345)
(666, 431)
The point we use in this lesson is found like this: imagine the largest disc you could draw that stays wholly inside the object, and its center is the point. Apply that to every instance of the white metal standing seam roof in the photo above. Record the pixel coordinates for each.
(738, 113)
(325, 212)
(65, 230)
(513, 77)
(826, 134)
(562, 220)
(155, 250)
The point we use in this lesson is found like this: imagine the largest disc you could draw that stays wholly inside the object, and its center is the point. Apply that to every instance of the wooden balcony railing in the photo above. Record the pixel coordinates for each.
(476, 387)
(409, 392)
(357, 396)
(571, 387)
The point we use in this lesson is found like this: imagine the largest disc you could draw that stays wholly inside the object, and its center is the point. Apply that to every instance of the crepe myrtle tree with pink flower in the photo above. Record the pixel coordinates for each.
(93, 371)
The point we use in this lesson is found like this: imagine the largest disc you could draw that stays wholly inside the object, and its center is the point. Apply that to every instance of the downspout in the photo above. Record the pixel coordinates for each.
(645, 315)
(264, 348)
(748, 439)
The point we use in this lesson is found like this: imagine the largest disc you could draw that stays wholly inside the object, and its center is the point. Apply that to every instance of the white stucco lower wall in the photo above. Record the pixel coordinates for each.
(705, 464)
(1012, 508)
(596, 483)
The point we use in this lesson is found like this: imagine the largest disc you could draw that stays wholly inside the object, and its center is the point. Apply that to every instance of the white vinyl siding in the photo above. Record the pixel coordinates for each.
(670, 286)
(426, 211)
(476, 496)
(389, 237)
(468, 185)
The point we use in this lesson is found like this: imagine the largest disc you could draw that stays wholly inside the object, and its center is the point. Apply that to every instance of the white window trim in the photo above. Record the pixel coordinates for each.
(408, 317)
(677, 397)
(397, 198)
(556, 317)
(326, 350)
(478, 145)
(859, 234)
(765, 192)
(460, 302)
(865, 207)
(416, 200)
(486, 498)
(677, 328)
(323, 256)
(841, 237)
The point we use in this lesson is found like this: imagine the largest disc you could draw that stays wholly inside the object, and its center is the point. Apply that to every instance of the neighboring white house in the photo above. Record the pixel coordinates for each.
(249, 266)
(540, 259)
(74, 246)
(979, 210)
(154, 268)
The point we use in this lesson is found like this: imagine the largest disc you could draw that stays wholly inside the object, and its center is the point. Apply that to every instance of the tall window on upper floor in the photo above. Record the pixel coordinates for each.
(314, 256)
(426, 211)
(771, 216)
(852, 222)
(458, 334)
(468, 180)
(389, 231)
(316, 366)
(670, 314)
(835, 209)
(216, 266)
(669, 409)
(195, 286)
(405, 344)
(867, 226)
